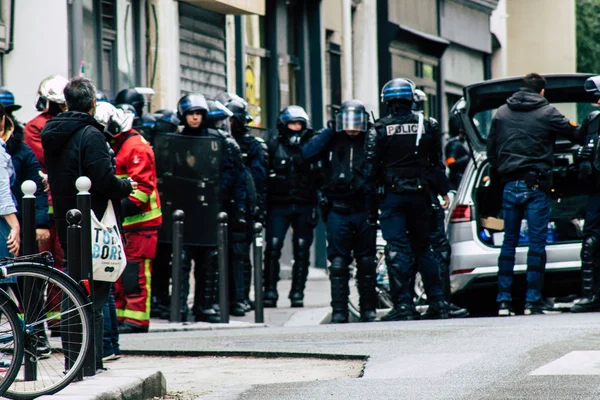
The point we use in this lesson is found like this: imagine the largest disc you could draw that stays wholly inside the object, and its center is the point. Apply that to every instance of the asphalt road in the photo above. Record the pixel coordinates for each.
(524, 357)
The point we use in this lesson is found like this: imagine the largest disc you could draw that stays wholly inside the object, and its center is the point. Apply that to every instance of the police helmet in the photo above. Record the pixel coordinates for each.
(352, 117)
(191, 102)
(133, 97)
(166, 121)
(239, 111)
(592, 85)
(398, 89)
(455, 124)
(218, 115)
(293, 114)
(7, 99)
(51, 90)
(420, 98)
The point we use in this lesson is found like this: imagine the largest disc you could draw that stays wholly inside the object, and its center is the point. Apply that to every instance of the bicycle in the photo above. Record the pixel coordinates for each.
(12, 344)
(28, 281)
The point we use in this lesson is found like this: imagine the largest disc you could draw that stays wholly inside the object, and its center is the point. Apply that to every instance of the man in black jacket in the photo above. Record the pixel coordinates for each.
(521, 149)
(75, 146)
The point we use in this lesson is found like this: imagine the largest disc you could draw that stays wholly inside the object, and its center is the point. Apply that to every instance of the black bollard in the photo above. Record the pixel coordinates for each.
(222, 247)
(30, 309)
(259, 314)
(72, 329)
(178, 216)
(84, 204)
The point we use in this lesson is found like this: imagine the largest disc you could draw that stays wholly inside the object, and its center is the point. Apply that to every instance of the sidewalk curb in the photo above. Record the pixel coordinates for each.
(311, 317)
(243, 353)
(199, 326)
(115, 385)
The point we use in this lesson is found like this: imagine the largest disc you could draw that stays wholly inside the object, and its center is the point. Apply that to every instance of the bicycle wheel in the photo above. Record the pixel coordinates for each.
(11, 341)
(49, 364)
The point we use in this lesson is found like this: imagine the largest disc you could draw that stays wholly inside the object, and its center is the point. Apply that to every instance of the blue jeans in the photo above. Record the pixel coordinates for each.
(4, 232)
(406, 226)
(111, 330)
(521, 202)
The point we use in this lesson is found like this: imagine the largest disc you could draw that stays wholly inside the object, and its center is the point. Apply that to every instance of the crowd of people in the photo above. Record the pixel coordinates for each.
(358, 175)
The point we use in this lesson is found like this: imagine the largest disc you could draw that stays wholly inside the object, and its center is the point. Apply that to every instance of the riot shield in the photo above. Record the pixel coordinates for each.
(189, 171)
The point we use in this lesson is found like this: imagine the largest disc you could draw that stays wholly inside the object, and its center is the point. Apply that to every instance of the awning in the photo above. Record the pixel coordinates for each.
(427, 43)
(235, 7)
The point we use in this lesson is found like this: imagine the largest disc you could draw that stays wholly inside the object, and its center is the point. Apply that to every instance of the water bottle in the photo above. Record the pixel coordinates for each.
(552, 236)
(524, 233)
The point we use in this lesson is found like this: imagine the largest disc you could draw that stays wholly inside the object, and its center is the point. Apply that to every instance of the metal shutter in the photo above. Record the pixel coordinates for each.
(202, 51)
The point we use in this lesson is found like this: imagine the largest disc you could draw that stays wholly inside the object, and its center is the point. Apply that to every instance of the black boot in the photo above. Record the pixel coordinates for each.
(590, 301)
(204, 310)
(271, 275)
(300, 272)
(367, 283)
(239, 253)
(339, 276)
(437, 310)
(400, 284)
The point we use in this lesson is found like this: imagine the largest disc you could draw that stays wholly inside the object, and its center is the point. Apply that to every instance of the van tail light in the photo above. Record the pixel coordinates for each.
(461, 213)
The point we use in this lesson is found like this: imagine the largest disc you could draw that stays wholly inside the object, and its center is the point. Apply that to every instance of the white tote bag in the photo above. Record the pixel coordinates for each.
(108, 253)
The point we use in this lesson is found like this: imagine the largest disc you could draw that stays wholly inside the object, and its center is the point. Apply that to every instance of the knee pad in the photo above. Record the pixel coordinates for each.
(366, 266)
(338, 268)
(589, 248)
(396, 255)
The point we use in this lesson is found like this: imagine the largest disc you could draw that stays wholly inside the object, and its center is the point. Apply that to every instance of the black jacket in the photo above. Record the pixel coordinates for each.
(27, 167)
(523, 134)
(75, 146)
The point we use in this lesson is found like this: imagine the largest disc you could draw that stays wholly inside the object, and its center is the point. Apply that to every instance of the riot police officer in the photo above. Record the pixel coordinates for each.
(589, 173)
(143, 122)
(219, 118)
(192, 110)
(350, 234)
(255, 155)
(292, 200)
(439, 240)
(402, 150)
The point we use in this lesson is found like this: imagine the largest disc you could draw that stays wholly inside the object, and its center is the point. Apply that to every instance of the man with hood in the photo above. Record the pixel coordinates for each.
(520, 150)
(74, 145)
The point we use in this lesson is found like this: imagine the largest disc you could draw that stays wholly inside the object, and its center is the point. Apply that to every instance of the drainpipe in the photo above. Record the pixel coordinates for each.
(348, 64)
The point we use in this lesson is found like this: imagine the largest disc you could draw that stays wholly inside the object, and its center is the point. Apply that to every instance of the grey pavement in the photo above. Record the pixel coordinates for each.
(525, 357)
(125, 384)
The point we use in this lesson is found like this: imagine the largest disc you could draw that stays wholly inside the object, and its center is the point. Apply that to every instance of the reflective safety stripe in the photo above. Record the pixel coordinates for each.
(123, 176)
(141, 196)
(143, 217)
(50, 210)
(153, 201)
(140, 315)
(55, 315)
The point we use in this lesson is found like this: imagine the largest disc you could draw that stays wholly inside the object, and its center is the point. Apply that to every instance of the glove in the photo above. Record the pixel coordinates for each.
(584, 153)
(239, 219)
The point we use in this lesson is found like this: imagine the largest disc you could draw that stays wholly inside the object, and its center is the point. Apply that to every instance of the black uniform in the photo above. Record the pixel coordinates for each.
(349, 233)
(291, 201)
(256, 158)
(589, 174)
(404, 149)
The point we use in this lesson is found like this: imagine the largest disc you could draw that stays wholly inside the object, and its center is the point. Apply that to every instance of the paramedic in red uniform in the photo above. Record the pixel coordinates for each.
(141, 217)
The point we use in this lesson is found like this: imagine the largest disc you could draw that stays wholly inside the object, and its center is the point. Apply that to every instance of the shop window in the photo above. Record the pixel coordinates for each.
(334, 55)
(256, 70)
(89, 63)
(126, 45)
